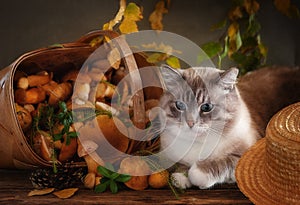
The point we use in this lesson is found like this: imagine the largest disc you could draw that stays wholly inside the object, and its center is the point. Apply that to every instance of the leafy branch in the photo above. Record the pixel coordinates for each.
(65, 117)
(241, 41)
(110, 179)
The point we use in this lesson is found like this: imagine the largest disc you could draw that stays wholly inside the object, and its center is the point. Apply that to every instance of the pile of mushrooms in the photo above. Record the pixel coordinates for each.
(89, 89)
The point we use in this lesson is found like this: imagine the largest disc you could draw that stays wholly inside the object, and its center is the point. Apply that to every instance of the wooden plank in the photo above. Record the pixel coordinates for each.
(15, 185)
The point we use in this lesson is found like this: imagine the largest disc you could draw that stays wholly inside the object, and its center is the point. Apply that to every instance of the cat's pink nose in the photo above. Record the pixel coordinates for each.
(190, 123)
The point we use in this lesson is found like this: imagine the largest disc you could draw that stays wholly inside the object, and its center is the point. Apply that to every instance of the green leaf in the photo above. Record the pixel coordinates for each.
(226, 45)
(72, 134)
(104, 180)
(212, 48)
(63, 106)
(239, 58)
(57, 136)
(123, 178)
(173, 62)
(238, 41)
(225, 51)
(114, 175)
(103, 171)
(101, 187)
(113, 186)
(262, 48)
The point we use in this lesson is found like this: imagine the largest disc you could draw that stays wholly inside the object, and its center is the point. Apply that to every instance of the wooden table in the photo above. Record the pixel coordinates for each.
(15, 185)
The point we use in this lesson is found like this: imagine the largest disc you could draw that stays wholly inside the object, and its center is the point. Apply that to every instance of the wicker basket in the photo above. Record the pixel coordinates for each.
(15, 151)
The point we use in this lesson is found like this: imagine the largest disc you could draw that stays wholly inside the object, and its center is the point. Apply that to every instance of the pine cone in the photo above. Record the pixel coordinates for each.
(65, 177)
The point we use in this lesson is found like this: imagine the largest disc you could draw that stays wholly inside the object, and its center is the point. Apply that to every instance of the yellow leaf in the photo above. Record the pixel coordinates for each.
(96, 41)
(118, 17)
(173, 62)
(39, 192)
(251, 6)
(132, 14)
(233, 29)
(156, 16)
(65, 193)
(156, 57)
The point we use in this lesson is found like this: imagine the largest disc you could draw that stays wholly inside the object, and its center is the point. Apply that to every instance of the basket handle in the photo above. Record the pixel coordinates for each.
(131, 65)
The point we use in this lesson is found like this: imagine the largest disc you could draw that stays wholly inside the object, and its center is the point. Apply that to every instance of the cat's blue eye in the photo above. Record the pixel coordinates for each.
(180, 105)
(206, 107)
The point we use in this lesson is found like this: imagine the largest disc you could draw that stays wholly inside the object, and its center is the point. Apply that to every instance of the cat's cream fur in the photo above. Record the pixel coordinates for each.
(187, 133)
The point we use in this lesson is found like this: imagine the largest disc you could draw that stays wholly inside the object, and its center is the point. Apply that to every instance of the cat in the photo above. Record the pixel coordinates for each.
(211, 118)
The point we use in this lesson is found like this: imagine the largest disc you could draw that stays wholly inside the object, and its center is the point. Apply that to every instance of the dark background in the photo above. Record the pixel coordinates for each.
(31, 24)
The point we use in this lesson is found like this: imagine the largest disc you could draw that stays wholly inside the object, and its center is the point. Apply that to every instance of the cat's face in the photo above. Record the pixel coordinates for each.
(198, 100)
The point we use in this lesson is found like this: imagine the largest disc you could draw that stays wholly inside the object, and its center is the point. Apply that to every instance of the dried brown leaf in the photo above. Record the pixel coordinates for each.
(65, 193)
(156, 16)
(39, 192)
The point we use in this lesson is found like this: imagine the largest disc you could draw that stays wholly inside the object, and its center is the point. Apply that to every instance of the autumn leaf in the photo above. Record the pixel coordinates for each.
(118, 17)
(96, 41)
(65, 193)
(156, 16)
(156, 57)
(251, 6)
(132, 14)
(173, 62)
(39, 192)
(233, 29)
(262, 48)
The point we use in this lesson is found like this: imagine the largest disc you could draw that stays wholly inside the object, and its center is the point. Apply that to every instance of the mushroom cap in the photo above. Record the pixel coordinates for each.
(110, 127)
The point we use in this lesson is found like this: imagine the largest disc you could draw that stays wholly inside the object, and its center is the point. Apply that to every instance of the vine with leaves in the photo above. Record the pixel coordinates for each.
(241, 41)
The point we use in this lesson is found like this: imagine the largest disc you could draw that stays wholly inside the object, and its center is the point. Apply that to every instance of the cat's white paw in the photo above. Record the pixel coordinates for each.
(180, 180)
(201, 179)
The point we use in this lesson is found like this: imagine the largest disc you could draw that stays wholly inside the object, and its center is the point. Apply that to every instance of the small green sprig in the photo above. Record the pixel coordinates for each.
(110, 179)
(65, 117)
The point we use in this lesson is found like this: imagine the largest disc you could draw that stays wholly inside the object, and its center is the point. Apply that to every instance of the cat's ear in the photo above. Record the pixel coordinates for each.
(228, 78)
(171, 77)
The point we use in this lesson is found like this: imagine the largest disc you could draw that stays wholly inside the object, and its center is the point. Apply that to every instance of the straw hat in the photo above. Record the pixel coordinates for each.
(269, 172)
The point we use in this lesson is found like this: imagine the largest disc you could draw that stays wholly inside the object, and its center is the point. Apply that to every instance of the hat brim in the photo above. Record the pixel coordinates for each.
(250, 176)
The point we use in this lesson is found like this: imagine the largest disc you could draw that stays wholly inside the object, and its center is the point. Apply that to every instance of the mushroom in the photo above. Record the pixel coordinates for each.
(41, 78)
(43, 145)
(60, 93)
(135, 166)
(90, 180)
(67, 151)
(24, 117)
(30, 96)
(87, 150)
(114, 131)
